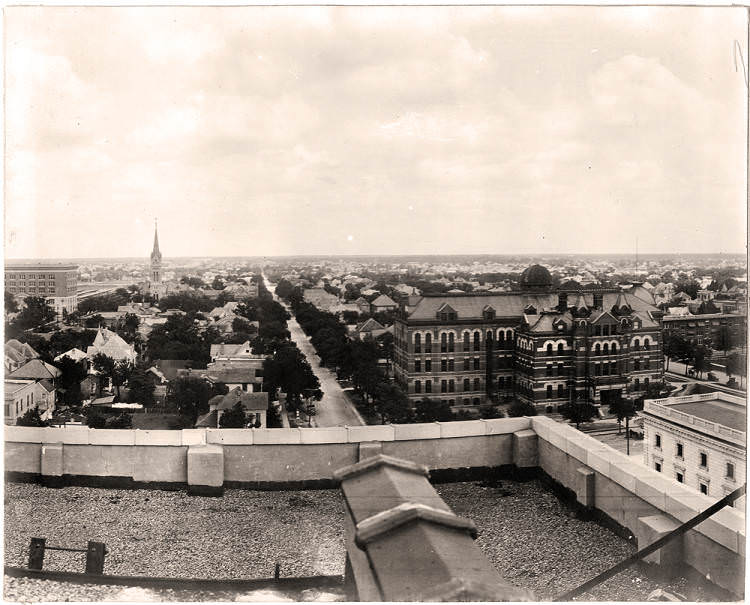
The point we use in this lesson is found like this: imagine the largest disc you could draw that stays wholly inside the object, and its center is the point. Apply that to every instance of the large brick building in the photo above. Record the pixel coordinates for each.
(542, 345)
(57, 282)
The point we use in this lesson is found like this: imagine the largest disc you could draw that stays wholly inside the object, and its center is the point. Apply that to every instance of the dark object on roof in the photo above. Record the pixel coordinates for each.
(536, 277)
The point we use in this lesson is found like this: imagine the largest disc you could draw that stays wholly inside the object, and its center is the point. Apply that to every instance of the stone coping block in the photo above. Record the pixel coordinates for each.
(276, 436)
(420, 430)
(158, 437)
(111, 437)
(683, 503)
(652, 487)
(577, 447)
(356, 434)
(502, 426)
(76, 435)
(331, 434)
(462, 428)
(230, 436)
(558, 437)
(542, 426)
(625, 473)
(53, 435)
(193, 436)
(24, 434)
(720, 529)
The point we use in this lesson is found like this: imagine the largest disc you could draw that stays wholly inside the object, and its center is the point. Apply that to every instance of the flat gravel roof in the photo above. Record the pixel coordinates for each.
(722, 412)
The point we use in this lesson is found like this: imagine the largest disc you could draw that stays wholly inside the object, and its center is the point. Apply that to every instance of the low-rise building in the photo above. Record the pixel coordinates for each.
(18, 354)
(698, 440)
(255, 404)
(23, 395)
(112, 345)
(383, 303)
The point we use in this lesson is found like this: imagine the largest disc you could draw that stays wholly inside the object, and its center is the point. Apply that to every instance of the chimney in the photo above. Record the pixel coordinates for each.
(562, 302)
(598, 300)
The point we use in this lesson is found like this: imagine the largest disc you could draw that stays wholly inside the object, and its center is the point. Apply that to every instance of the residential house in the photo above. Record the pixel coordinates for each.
(255, 404)
(112, 345)
(17, 354)
(363, 305)
(23, 395)
(383, 303)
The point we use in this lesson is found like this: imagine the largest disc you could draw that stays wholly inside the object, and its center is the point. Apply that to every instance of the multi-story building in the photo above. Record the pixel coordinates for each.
(56, 282)
(721, 330)
(698, 440)
(541, 345)
(21, 395)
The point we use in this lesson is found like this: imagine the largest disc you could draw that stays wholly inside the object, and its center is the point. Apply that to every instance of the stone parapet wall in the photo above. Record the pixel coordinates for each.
(632, 494)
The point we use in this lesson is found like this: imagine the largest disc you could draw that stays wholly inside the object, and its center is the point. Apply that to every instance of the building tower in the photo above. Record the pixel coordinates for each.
(156, 259)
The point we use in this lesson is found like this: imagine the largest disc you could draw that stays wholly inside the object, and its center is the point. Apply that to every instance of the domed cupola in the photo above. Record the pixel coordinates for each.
(536, 278)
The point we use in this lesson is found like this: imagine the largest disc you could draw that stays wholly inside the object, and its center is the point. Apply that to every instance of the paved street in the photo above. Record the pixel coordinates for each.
(334, 409)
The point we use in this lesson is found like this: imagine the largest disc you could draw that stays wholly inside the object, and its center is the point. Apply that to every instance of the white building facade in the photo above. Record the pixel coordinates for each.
(698, 440)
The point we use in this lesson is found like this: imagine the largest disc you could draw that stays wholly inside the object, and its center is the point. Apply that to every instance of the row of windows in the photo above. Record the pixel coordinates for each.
(703, 485)
(31, 290)
(30, 276)
(447, 386)
(446, 365)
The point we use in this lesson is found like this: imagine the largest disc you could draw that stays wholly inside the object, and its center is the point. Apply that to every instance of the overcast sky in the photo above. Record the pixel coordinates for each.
(264, 131)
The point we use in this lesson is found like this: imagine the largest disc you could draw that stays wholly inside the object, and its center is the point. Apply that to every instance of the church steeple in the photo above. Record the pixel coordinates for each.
(156, 258)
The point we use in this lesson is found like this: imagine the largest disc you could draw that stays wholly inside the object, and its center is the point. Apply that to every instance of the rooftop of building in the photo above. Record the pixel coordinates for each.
(11, 265)
(718, 410)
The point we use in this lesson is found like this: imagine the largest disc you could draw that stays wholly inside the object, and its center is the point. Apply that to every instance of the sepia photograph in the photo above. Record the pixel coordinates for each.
(375, 303)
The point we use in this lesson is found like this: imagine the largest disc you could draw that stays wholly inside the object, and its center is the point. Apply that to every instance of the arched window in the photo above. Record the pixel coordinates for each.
(428, 343)
(614, 348)
(417, 386)
(488, 338)
(501, 337)
(477, 384)
(443, 342)
(477, 339)
(501, 382)
(597, 349)
(637, 384)
(605, 348)
(636, 364)
(549, 391)
(467, 384)
(645, 384)
(560, 349)
(466, 341)
(645, 343)
(636, 344)
(560, 391)
(549, 349)
(417, 343)
(451, 342)
(428, 386)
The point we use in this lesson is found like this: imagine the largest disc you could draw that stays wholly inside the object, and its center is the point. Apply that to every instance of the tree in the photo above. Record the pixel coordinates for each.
(72, 373)
(234, 418)
(93, 321)
(217, 284)
(129, 327)
(521, 408)
(120, 421)
(193, 282)
(701, 359)
(37, 312)
(11, 306)
(105, 367)
(31, 418)
(122, 371)
(490, 413)
(578, 412)
(393, 405)
(737, 364)
(141, 388)
(94, 418)
(190, 395)
(289, 370)
(623, 409)
(430, 410)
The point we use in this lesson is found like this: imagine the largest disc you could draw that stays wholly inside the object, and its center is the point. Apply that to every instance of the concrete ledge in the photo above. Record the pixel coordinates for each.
(158, 437)
(276, 436)
(542, 426)
(423, 430)
(684, 503)
(653, 489)
(50, 435)
(52, 460)
(230, 436)
(577, 447)
(24, 434)
(76, 435)
(111, 437)
(558, 437)
(502, 426)
(194, 436)
(462, 428)
(599, 459)
(669, 557)
(370, 433)
(625, 473)
(333, 434)
(722, 528)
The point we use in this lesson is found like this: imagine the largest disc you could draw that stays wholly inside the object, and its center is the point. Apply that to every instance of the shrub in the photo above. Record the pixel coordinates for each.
(31, 418)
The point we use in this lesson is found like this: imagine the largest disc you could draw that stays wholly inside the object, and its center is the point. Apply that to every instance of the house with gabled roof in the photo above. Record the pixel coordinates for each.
(17, 354)
(112, 345)
(383, 303)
